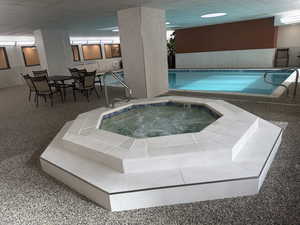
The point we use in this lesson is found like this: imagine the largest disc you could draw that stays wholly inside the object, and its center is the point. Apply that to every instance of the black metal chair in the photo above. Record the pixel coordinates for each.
(44, 89)
(281, 57)
(29, 84)
(77, 73)
(82, 72)
(85, 84)
(74, 72)
(40, 73)
(99, 81)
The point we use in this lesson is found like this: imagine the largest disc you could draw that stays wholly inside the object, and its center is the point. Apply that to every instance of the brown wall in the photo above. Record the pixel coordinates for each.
(251, 34)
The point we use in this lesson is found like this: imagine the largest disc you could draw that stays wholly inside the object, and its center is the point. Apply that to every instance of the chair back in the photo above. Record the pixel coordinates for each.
(89, 79)
(82, 72)
(74, 72)
(40, 73)
(28, 81)
(281, 57)
(41, 84)
(78, 75)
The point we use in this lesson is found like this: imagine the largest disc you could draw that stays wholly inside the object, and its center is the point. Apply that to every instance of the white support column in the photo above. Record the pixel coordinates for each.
(54, 50)
(144, 50)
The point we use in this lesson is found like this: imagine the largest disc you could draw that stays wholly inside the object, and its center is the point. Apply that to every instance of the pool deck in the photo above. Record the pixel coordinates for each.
(30, 196)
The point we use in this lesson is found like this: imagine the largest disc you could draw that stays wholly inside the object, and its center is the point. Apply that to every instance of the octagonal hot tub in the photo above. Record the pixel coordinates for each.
(163, 151)
(189, 132)
(159, 119)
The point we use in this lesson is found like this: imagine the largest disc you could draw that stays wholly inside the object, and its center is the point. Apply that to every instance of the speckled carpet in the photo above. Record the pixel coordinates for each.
(29, 196)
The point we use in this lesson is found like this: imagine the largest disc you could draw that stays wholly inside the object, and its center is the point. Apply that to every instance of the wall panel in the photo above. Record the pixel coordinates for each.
(252, 34)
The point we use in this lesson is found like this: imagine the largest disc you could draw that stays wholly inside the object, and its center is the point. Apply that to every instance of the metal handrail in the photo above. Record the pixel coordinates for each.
(282, 85)
(296, 81)
(117, 78)
(125, 86)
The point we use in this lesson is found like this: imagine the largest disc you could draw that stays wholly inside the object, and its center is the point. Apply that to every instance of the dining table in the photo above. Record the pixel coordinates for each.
(60, 81)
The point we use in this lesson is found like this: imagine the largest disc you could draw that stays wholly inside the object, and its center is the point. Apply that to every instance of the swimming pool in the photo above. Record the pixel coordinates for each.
(236, 81)
(233, 81)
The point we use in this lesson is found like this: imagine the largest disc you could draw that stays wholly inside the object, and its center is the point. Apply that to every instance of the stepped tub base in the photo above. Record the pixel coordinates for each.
(229, 158)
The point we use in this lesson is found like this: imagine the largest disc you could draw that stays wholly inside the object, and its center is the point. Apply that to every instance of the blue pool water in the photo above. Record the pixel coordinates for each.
(240, 81)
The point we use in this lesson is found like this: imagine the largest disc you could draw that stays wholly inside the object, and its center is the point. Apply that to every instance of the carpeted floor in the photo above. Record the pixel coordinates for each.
(28, 196)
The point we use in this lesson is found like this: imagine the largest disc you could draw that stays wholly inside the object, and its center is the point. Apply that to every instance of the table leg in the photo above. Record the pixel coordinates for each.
(100, 82)
(64, 89)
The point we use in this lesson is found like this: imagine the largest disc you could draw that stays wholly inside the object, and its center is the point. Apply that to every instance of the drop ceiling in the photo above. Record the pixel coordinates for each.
(88, 18)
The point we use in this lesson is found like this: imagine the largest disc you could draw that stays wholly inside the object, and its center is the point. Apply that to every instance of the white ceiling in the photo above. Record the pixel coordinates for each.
(83, 17)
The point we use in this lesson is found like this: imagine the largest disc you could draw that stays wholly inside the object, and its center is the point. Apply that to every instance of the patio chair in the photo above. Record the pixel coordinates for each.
(77, 73)
(82, 72)
(44, 89)
(282, 57)
(74, 72)
(99, 80)
(86, 84)
(40, 73)
(29, 84)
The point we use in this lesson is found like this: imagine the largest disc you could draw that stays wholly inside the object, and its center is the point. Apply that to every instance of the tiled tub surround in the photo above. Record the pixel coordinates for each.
(228, 158)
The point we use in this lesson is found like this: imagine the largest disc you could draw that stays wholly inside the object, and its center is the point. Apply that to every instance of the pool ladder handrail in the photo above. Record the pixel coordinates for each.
(296, 80)
(127, 89)
(270, 82)
(282, 85)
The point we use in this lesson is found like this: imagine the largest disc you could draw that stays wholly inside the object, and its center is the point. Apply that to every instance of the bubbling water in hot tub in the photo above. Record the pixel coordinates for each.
(160, 119)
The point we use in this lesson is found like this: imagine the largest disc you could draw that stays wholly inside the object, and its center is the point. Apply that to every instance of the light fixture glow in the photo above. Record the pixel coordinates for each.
(17, 40)
(25, 43)
(94, 40)
(168, 23)
(210, 15)
(107, 42)
(7, 43)
(79, 42)
(115, 30)
(290, 19)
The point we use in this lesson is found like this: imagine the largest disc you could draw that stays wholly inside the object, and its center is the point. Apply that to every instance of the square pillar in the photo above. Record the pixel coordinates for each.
(144, 50)
(54, 50)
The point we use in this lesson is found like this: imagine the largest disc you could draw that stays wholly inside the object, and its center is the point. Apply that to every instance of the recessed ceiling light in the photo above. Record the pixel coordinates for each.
(107, 28)
(290, 19)
(168, 23)
(115, 30)
(173, 26)
(210, 15)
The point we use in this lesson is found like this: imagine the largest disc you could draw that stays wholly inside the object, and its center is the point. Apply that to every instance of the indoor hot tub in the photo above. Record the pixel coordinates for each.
(162, 151)
(159, 119)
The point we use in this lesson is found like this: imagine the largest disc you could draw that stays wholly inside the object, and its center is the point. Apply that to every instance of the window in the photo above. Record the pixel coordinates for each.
(91, 52)
(31, 56)
(76, 54)
(112, 50)
(4, 64)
